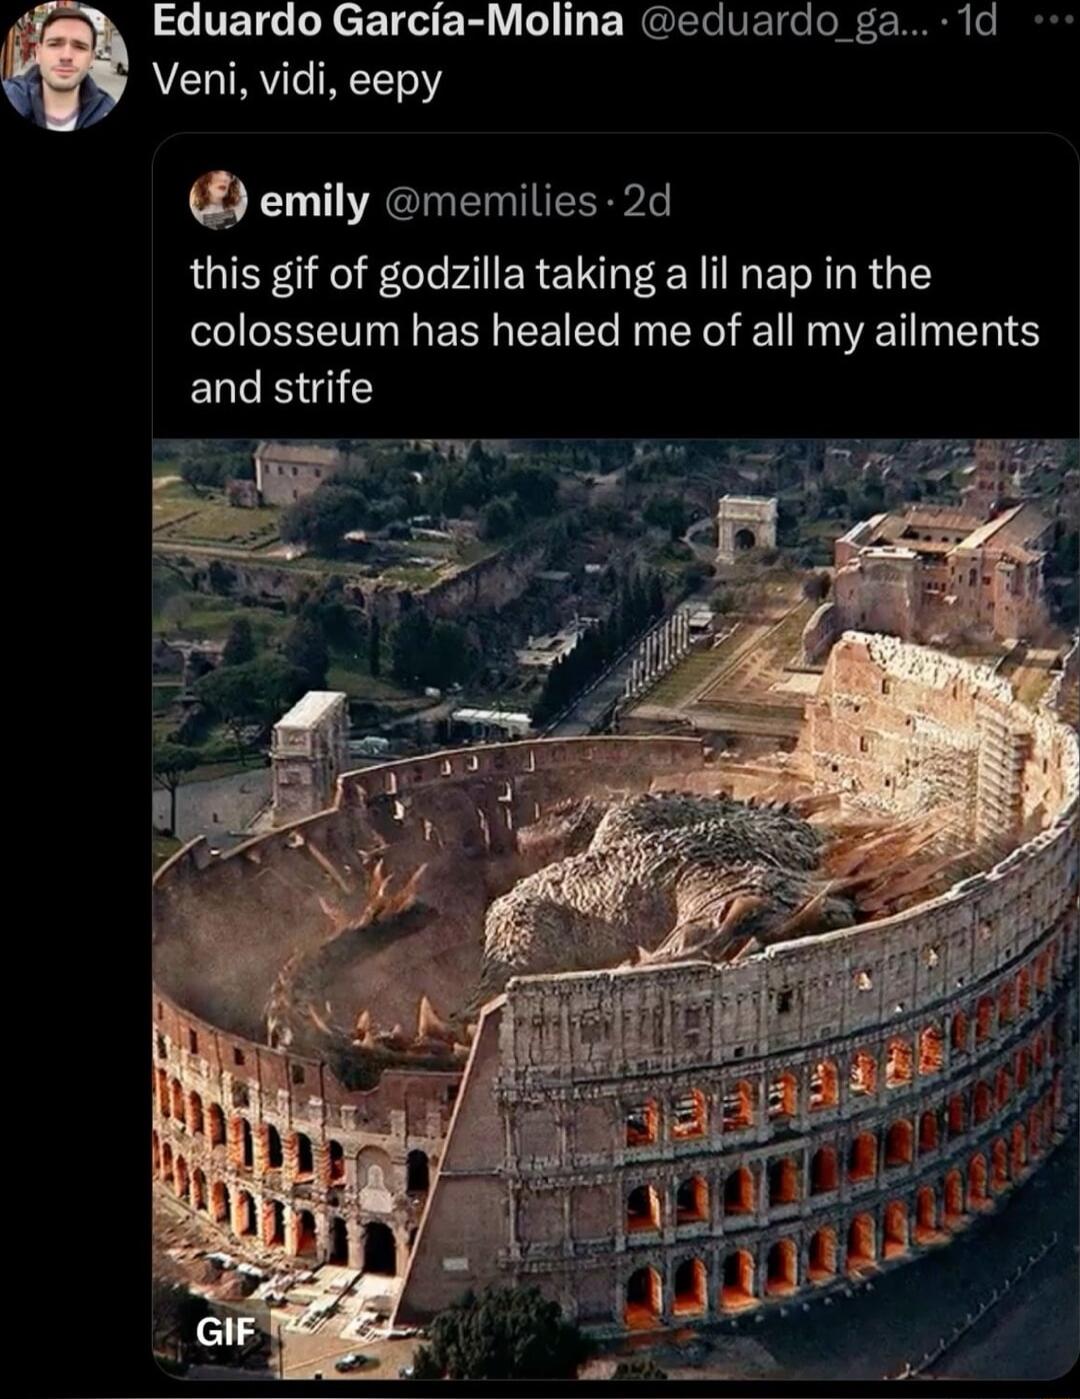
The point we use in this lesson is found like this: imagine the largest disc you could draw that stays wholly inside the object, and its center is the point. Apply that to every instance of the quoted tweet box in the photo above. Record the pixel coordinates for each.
(587, 284)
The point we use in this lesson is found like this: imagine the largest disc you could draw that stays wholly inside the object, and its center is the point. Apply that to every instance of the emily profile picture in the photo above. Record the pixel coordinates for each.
(218, 199)
(64, 67)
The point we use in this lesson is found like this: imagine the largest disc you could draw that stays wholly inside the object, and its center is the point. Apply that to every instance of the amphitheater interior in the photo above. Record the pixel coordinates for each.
(669, 1033)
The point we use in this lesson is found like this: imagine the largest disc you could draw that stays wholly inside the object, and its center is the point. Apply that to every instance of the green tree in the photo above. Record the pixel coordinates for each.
(498, 519)
(305, 649)
(171, 761)
(240, 643)
(505, 1333)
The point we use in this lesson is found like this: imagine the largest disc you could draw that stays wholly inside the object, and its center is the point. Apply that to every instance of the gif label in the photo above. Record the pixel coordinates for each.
(227, 1331)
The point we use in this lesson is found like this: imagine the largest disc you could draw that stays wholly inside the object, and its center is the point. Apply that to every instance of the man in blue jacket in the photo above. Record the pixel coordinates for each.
(58, 92)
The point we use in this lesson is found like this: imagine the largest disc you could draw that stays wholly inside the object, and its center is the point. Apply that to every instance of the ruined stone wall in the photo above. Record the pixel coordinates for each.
(880, 594)
(696, 1139)
(822, 629)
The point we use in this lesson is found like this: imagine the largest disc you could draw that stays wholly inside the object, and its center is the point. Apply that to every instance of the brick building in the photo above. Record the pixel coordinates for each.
(934, 571)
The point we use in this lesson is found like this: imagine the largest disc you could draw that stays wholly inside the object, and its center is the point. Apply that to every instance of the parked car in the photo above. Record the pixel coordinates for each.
(352, 1361)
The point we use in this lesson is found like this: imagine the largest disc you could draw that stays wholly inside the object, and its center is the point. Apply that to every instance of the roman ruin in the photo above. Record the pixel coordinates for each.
(669, 1033)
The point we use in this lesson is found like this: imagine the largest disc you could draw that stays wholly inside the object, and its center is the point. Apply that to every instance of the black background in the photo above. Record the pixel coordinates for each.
(77, 418)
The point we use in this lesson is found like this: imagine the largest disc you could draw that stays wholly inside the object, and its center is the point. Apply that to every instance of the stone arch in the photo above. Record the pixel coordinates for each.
(931, 1049)
(220, 1205)
(273, 1223)
(861, 1250)
(644, 1299)
(642, 1209)
(162, 1080)
(737, 1281)
(244, 1222)
(824, 1085)
(307, 1236)
(782, 1268)
(194, 1114)
(1023, 1066)
(1003, 1086)
(335, 1163)
(181, 1180)
(691, 1287)
(689, 1115)
(275, 1152)
(984, 1019)
(243, 1148)
(983, 1103)
(166, 1163)
(957, 1115)
(862, 1157)
(1006, 1003)
(783, 1181)
(339, 1240)
(821, 1262)
(155, 1151)
(824, 1171)
(739, 1192)
(215, 1125)
(926, 1220)
(863, 1073)
(784, 1096)
(692, 1201)
(977, 1178)
(1017, 1150)
(303, 1156)
(417, 1173)
(894, 1230)
(177, 1100)
(899, 1143)
(642, 1120)
(958, 1033)
(898, 1062)
(744, 539)
(928, 1131)
(198, 1189)
(380, 1250)
(999, 1165)
(1023, 988)
(739, 1106)
(954, 1198)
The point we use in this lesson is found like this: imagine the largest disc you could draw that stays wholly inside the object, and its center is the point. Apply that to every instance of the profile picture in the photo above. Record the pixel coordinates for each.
(64, 66)
(218, 199)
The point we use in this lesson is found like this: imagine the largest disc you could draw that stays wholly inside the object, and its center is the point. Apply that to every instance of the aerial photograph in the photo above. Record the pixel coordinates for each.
(615, 909)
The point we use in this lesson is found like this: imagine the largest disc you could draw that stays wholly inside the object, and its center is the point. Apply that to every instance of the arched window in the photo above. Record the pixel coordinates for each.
(984, 1019)
(926, 1229)
(862, 1158)
(737, 1289)
(861, 1250)
(894, 1240)
(641, 1123)
(739, 1192)
(692, 1201)
(739, 1106)
(417, 1173)
(954, 1198)
(1003, 1087)
(928, 1132)
(999, 1165)
(781, 1268)
(1023, 988)
(821, 1262)
(984, 1102)
(1006, 1003)
(898, 1059)
(863, 1072)
(1018, 1150)
(824, 1085)
(275, 1156)
(824, 1172)
(783, 1096)
(931, 1049)
(959, 1033)
(644, 1299)
(899, 1141)
(977, 1196)
(177, 1100)
(336, 1162)
(783, 1181)
(194, 1114)
(689, 1115)
(642, 1209)
(303, 1156)
(957, 1115)
(691, 1287)
(215, 1118)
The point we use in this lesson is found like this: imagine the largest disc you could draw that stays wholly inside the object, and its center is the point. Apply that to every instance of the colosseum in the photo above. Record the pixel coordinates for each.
(671, 1034)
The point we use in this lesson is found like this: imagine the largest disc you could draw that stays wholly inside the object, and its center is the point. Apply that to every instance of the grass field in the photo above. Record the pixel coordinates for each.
(182, 515)
(689, 675)
(353, 677)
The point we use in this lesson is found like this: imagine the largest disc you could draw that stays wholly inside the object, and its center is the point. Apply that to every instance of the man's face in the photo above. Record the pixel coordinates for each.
(65, 54)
